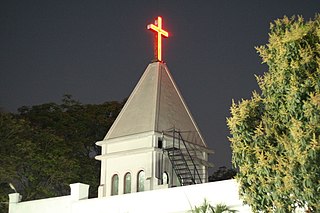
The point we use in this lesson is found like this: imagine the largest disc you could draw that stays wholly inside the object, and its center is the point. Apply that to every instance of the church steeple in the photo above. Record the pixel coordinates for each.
(154, 142)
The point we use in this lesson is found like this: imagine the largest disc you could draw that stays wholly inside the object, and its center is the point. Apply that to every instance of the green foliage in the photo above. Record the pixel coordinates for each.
(9, 134)
(220, 208)
(276, 135)
(206, 207)
(46, 147)
(222, 174)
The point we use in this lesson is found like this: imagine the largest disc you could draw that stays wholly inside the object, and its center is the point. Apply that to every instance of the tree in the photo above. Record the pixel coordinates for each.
(46, 147)
(276, 134)
(222, 174)
(9, 134)
(79, 127)
(34, 161)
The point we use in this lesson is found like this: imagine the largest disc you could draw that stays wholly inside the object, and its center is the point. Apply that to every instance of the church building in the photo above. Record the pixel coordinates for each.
(154, 142)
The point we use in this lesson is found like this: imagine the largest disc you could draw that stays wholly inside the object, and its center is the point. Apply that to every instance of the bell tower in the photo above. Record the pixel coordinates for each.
(154, 142)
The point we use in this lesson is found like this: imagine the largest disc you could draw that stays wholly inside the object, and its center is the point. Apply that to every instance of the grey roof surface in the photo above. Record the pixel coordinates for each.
(155, 105)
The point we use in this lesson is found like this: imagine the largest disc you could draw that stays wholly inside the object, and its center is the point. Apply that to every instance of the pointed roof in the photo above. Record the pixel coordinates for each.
(155, 105)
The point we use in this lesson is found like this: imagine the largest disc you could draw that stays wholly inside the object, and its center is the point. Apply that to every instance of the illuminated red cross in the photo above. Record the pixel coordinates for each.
(157, 27)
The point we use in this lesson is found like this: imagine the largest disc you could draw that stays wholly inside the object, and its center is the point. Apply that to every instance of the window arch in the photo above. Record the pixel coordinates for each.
(115, 184)
(127, 183)
(165, 178)
(140, 182)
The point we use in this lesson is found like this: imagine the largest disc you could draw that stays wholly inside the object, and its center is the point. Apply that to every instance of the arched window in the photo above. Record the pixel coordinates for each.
(115, 185)
(165, 178)
(140, 183)
(127, 183)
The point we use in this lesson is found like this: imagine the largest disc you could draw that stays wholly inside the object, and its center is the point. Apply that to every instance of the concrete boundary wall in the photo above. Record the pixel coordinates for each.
(175, 200)
(56, 204)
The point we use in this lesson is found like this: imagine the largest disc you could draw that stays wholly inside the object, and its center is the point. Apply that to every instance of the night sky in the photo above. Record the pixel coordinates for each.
(97, 51)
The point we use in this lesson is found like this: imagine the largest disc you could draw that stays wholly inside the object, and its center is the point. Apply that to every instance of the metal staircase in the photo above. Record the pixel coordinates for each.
(183, 157)
(180, 166)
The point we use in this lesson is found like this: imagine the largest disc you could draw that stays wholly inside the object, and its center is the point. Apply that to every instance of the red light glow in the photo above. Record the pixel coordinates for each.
(157, 27)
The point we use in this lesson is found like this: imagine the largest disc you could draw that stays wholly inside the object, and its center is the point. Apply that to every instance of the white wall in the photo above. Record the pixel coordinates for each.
(178, 199)
(126, 154)
(57, 204)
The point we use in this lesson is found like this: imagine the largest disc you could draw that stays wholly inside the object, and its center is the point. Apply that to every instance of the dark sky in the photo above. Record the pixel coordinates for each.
(97, 51)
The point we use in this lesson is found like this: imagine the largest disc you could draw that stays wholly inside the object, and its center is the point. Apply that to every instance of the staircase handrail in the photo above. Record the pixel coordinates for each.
(194, 165)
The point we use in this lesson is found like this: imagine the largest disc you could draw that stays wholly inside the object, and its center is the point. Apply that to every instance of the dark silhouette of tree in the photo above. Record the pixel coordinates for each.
(46, 147)
(222, 174)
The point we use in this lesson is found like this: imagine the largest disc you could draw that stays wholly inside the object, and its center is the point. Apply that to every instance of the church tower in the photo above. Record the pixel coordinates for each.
(154, 142)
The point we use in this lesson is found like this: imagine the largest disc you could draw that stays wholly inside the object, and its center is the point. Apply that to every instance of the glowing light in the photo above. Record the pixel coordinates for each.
(157, 27)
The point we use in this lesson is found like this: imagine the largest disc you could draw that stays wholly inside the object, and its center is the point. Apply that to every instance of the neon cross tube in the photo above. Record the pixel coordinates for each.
(157, 27)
